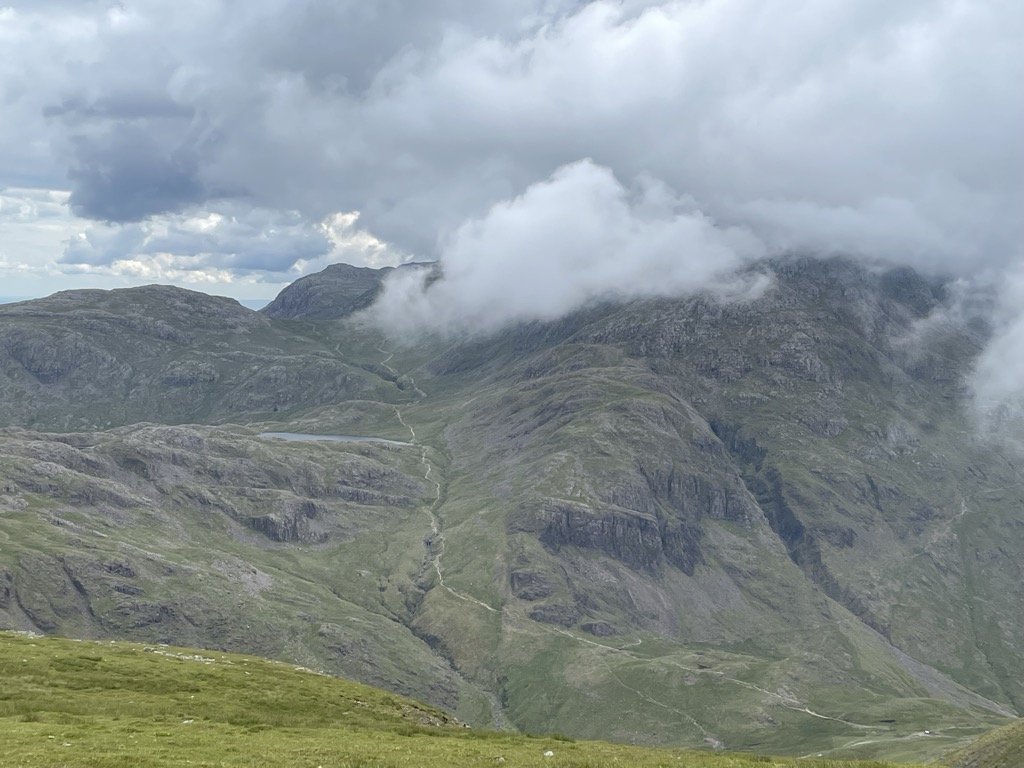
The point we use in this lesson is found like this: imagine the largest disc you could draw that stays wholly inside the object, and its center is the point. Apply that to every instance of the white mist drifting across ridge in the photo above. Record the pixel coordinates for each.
(997, 382)
(984, 308)
(582, 236)
(579, 236)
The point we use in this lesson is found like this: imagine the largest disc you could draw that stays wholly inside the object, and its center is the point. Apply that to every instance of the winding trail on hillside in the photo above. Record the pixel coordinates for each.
(710, 738)
(942, 532)
(436, 534)
(946, 529)
(789, 702)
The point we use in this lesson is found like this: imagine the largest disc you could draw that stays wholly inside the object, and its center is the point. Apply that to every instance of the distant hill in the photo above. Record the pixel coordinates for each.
(80, 359)
(336, 292)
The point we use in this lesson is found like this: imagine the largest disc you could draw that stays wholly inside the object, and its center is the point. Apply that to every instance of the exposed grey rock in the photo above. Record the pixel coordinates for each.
(599, 628)
(628, 536)
(560, 614)
(6, 589)
(295, 520)
(530, 585)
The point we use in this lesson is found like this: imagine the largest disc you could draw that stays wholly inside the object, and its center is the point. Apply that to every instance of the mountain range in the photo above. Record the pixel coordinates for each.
(768, 524)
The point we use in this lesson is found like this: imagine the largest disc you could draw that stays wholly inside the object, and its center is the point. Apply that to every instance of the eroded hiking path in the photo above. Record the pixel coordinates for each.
(434, 541)
(782, 699)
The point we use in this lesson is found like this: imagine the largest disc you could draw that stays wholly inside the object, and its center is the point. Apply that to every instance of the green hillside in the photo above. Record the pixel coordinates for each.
(78, 703)
(1003, 748)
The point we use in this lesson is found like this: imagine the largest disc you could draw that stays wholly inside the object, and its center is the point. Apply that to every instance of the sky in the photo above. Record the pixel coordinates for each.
(547, 152)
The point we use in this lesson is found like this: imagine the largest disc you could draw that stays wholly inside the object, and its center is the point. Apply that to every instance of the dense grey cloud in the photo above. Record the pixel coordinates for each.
(227, 237)
(172, 104)
(863, 126)
(126, 175)
(557, 142)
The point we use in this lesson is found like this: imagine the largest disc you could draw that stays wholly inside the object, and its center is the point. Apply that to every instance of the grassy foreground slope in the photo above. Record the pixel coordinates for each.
(79, 703)
(1003, 748)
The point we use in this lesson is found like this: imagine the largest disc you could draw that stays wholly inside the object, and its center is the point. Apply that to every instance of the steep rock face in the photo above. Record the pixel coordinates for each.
(629, 537)
(295, 521)
(6, 589)
(530, 585)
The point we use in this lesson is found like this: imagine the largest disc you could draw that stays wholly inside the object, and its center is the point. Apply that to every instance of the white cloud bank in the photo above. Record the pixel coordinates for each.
(560, 246)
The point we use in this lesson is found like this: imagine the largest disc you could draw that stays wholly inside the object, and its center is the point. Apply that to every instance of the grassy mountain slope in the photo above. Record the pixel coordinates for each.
(1003, 748)
(765, 525)
(111, 704)
(336, 292)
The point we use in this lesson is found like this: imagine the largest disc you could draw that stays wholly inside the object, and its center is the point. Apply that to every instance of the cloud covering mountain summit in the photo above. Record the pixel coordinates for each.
(868, 128)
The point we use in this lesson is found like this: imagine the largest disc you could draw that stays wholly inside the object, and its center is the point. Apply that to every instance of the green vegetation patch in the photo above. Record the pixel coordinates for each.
(1002, 748)
(83, 703)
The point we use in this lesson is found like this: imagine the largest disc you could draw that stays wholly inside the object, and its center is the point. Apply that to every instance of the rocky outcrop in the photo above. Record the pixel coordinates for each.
(696, 496)
(630, 537)
(295, 521)
(6, 589)
(640, 541)
(599, 628)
